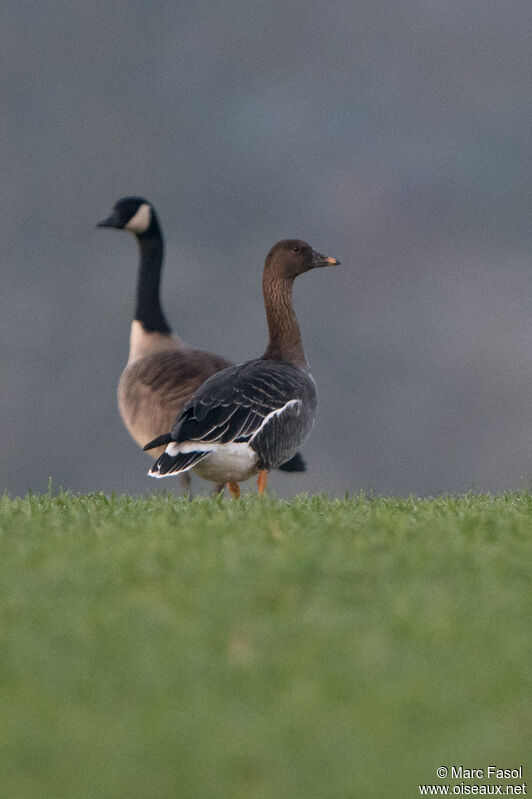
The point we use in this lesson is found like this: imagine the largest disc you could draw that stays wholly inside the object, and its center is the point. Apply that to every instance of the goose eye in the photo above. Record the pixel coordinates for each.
(296, 249)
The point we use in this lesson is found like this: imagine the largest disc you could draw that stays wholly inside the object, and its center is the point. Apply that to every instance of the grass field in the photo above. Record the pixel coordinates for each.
(261, 649)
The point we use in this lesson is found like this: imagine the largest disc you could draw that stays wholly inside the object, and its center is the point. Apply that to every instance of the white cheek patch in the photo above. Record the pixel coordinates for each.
(140, 221)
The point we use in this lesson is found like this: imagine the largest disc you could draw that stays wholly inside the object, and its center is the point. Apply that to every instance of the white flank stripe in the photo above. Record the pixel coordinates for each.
(175, 448)
(278, 412)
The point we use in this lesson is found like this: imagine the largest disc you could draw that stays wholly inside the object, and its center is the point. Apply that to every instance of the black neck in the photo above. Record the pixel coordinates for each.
(148, 311)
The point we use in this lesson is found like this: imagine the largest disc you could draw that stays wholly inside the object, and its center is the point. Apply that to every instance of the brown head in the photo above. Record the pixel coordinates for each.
(286, 260)
(291, 257)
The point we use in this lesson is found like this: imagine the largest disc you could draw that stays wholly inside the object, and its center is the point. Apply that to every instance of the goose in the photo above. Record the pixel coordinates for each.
(248, 419)
(162, 371)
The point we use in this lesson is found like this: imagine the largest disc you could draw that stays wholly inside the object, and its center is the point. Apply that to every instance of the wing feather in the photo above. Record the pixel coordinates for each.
(167, 464)
(233, 404)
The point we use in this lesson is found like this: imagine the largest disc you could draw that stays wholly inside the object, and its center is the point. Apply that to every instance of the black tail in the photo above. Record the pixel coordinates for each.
(295, 464)
(160, 441)
(166, 464)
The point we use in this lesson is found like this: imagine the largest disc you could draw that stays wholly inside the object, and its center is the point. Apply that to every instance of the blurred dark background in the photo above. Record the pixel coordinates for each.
(394, 136)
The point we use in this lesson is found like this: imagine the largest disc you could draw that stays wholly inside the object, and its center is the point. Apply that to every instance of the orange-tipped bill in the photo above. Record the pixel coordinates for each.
(324, 260)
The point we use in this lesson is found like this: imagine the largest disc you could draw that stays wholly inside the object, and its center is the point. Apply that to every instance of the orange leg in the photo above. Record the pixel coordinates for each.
(262, 481)
(234, 489)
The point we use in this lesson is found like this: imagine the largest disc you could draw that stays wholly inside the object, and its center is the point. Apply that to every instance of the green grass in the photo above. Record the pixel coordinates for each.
(317, 648)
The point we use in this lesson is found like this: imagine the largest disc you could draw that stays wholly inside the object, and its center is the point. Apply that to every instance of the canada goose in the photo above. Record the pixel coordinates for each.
(162, 371)
(248, 419)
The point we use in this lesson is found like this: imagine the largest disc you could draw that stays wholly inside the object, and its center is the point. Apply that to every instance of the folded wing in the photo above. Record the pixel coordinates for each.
(256, 402)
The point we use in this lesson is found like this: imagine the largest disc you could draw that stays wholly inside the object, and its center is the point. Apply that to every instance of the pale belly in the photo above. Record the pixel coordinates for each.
(228, 463)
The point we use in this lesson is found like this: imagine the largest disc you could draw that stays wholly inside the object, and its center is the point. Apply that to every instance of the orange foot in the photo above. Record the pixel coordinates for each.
(262, 481)
(234, 489)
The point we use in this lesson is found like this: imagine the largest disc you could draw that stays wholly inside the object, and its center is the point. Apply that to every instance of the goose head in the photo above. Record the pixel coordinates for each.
(292, 257)
(131, 213)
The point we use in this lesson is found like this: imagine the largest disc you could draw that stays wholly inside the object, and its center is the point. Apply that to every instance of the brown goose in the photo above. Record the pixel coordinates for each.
(250, 418)
(162, 371)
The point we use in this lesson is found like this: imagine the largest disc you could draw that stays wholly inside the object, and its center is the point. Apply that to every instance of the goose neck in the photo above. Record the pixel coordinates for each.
(285, 342)
(148, 309)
